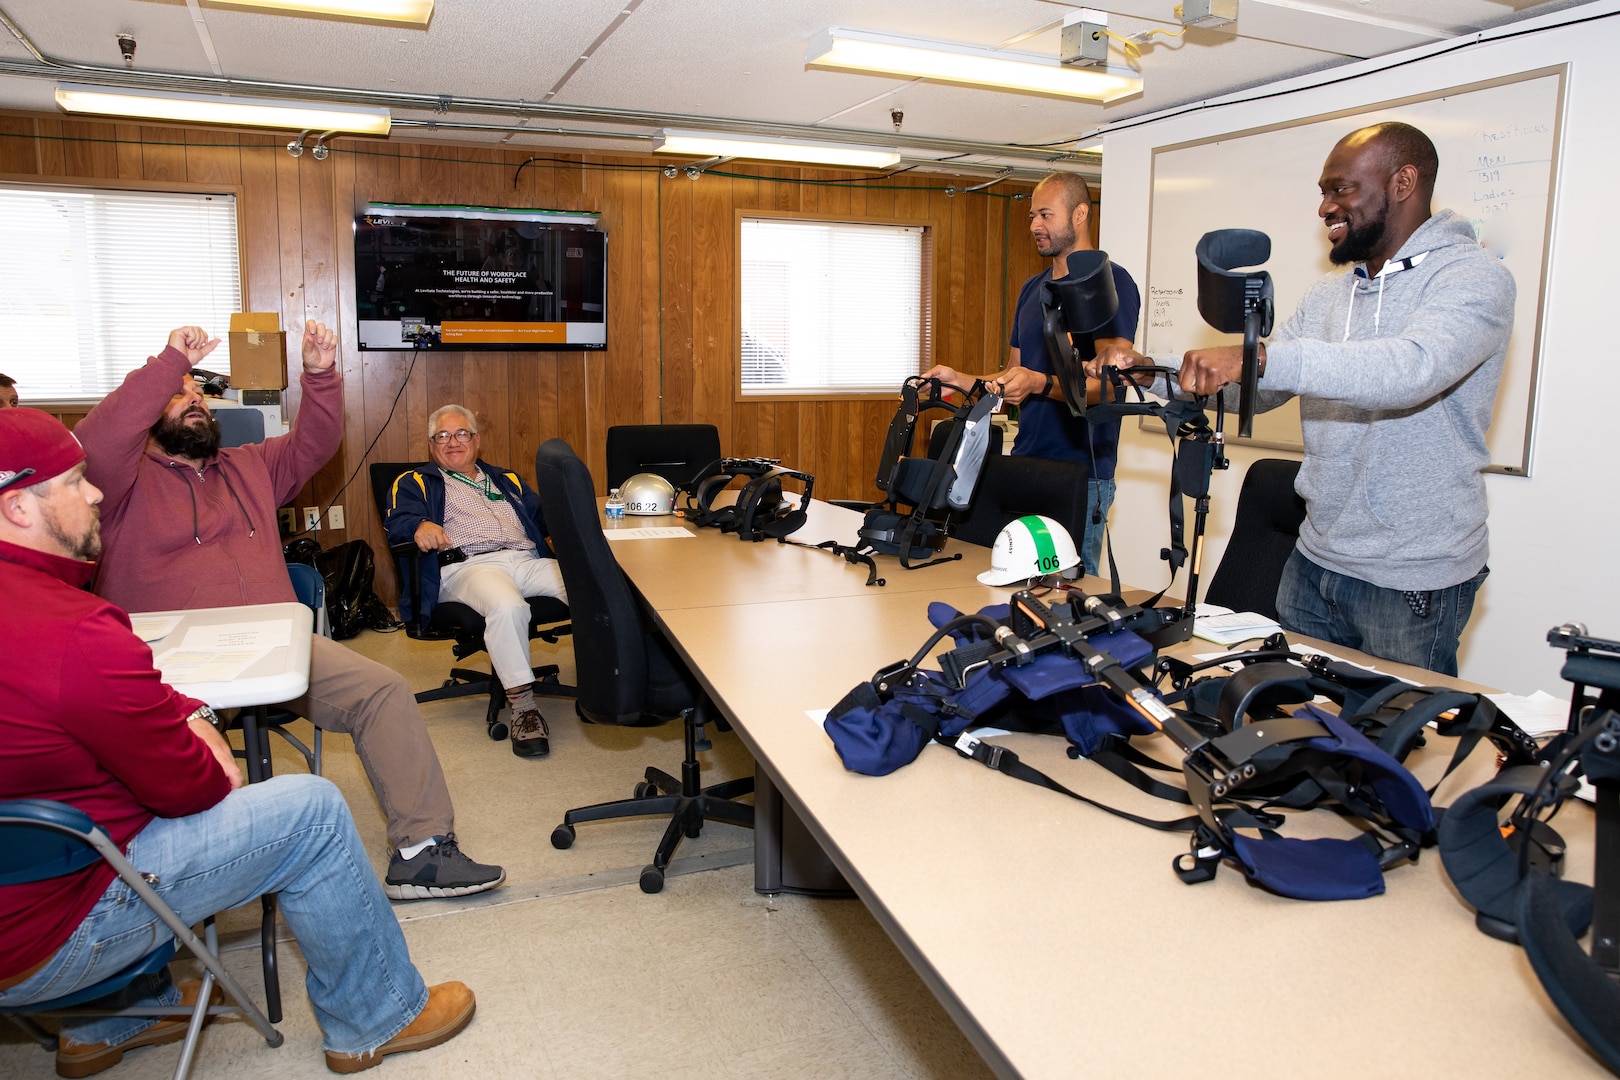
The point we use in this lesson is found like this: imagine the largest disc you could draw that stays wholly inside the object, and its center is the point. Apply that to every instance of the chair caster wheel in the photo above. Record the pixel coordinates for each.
(645, 789)
(562, 838)
(498, 731)
(652, 879)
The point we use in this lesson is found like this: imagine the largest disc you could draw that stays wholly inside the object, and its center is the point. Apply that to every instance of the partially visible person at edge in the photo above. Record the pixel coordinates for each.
(8, 392)
(485, 546)
(1395, 363)
(1060, 222)
(86, 720)
(190, 525)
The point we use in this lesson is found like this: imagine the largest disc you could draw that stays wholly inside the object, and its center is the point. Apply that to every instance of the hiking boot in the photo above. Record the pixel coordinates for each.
(87, 1059)
(530, 736)
(450, 1006)
(439, 870)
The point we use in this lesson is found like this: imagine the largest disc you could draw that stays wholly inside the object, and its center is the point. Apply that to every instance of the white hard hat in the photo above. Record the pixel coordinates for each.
(1031, 547)
(648, 494)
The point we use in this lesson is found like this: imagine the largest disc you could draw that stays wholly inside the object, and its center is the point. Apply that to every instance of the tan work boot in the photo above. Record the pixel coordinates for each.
(87, 1059)
(449, 1009)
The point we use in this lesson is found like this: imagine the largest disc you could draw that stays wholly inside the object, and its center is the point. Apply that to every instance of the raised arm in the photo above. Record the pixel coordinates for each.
(114, 432)
(318, 430)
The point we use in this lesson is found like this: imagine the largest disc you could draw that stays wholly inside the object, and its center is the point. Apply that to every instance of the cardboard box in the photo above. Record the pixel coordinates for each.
(258, 351)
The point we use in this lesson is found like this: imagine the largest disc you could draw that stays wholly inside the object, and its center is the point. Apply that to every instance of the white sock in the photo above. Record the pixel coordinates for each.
(522, 700)
(413, 850)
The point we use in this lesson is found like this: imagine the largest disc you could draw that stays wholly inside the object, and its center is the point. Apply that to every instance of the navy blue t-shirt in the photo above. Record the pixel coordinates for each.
(1047, 428)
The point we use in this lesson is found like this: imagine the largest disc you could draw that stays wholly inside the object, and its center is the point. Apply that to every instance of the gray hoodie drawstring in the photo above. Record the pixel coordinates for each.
(196, 530)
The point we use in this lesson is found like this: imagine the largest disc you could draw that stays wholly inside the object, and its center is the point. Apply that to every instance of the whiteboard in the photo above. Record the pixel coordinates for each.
(1498, 146)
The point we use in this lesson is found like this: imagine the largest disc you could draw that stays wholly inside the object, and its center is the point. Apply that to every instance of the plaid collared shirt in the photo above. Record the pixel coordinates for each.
(476, 523)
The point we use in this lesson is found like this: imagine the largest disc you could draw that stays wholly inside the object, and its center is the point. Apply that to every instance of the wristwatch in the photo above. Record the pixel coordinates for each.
(1046, 391)
(203, 712)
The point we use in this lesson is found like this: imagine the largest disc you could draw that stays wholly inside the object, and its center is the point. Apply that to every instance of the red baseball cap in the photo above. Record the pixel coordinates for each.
(34, 447)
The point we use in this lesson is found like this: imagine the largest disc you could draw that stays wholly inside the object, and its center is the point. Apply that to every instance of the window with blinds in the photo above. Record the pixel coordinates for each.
(92, 281)
(832, 307)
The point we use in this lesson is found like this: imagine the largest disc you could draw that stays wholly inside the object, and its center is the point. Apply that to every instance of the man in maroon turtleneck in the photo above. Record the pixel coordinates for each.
(187, 524)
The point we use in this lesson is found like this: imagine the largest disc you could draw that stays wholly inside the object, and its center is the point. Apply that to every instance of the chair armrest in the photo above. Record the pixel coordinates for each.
(407, 564)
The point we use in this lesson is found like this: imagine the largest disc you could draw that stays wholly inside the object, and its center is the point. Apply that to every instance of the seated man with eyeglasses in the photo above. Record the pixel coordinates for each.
(484, 524)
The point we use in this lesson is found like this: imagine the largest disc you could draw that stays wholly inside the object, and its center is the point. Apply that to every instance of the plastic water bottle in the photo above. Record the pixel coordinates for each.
(615, 505)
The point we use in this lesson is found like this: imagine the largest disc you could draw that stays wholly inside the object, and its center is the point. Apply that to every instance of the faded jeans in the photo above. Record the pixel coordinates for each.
(290, 834)
(1099, 498)
(1320, 603)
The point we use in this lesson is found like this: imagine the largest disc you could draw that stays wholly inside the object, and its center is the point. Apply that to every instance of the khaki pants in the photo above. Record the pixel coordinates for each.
(372, 704)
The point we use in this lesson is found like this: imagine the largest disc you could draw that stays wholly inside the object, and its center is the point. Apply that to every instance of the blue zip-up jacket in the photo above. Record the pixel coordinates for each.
(418, 496)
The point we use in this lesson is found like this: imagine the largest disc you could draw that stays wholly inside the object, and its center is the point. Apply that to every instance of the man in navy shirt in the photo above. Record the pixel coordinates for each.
(1059, 221)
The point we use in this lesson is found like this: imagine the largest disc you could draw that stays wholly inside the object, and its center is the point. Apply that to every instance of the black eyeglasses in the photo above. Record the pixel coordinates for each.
(461, 436)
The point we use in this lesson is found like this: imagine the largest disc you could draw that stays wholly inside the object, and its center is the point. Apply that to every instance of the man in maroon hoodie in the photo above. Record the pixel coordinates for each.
(190, 525)
(86, 720)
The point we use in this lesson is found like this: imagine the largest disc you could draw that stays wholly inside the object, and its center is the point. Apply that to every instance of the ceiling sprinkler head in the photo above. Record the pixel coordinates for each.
(897, 116)
(126, 47)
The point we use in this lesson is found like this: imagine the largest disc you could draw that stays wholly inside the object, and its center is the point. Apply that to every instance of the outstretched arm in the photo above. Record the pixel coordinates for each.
(318, 431)
(114, 433)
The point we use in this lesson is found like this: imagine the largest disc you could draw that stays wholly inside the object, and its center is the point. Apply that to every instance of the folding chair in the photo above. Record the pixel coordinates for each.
(41, 839)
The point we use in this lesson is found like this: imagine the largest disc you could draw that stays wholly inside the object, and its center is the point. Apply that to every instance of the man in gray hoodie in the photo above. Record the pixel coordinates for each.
(1396, 365)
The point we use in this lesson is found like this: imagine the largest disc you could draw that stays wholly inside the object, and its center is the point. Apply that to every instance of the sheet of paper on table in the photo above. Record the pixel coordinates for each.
(150, 628)
(1540, 714)
(1224, 626)
(190, 667)
(650, 532)
(238, 637)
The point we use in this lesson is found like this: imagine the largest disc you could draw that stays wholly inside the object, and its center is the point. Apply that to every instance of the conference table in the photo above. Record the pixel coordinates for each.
(1057, 936)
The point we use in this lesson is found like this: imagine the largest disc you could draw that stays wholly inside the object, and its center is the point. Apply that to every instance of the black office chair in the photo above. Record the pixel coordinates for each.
(548, 618)
(1264, 530)
(628, 674)
(1013, 485)
(674, 451)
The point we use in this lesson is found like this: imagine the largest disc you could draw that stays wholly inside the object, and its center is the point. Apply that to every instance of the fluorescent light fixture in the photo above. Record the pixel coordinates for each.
(710, 144)
(215, 109)
(967, 65)
(397, 11)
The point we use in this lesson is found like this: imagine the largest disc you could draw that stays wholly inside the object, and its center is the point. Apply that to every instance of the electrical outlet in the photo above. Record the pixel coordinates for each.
(312, 518)
(334, 517)
(289, 519)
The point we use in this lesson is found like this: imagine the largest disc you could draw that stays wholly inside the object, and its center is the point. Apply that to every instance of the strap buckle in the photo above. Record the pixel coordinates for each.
(971, 746)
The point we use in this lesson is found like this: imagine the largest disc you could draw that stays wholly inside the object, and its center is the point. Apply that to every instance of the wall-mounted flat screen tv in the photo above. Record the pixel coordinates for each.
(475, 277)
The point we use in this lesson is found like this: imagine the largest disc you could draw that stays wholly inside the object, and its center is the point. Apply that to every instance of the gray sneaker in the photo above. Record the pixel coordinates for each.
(530, 737)
(439, 870)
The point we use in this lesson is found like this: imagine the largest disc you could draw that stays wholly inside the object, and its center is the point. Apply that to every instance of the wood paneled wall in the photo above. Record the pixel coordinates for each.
(671, 331)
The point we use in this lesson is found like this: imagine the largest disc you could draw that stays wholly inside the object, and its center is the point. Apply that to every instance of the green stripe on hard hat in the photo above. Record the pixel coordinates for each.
(1045, 549)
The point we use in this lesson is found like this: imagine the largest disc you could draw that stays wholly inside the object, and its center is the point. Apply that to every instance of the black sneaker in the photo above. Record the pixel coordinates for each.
(530, 737)
(437, 871)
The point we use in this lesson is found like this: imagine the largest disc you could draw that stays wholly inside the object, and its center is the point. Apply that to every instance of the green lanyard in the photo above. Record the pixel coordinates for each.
(489, 493)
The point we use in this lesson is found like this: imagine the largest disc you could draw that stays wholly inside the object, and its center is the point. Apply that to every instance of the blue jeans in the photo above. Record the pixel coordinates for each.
(1099, 499)
(292, 835)
(1319, 603)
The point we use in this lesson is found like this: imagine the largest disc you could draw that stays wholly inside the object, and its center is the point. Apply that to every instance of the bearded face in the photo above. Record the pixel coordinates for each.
(1364, 235)
(186, 428)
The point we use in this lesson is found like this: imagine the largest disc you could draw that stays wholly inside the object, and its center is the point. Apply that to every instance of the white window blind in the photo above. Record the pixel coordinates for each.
(91, 283)
(832, 307)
